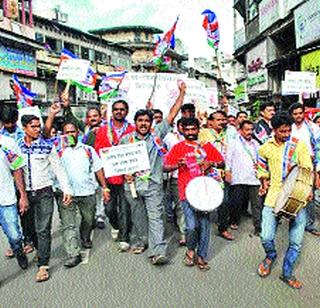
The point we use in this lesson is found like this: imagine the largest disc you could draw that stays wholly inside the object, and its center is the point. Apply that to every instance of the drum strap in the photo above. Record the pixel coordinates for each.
(252, 154)
(288, 156)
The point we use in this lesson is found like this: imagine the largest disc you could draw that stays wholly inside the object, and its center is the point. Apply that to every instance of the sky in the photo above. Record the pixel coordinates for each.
(93, 14)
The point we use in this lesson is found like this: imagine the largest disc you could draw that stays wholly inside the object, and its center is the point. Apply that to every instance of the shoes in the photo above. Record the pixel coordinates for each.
(226, 235)
(264, 268)
(124, 246)
(72, 261)
(114, 234)
(9, 253)
(87, 244)
(159, 260)
(22, 260)
(234, 226)
(100, 225)
(313, 231)
(292, 282)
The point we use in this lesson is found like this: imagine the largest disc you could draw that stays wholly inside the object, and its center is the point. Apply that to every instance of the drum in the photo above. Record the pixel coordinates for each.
(295, 192)
(204, 193)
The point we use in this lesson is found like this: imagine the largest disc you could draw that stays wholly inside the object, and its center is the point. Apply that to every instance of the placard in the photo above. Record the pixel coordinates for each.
(296, 83)
(125, 159)
(73, 69)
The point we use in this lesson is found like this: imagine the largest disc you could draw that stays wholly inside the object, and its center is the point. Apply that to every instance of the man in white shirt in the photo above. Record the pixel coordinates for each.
(309, 132)
(11, 164)
(241, 173)
(41, 157)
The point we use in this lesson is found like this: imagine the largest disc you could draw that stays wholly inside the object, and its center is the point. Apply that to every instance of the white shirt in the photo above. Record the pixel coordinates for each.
(10, 160)
(170, 140)
(81, 162)
(241, 163)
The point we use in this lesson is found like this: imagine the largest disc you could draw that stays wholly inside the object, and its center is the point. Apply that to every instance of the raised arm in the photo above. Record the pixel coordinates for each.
(53, 111)
(174, 110)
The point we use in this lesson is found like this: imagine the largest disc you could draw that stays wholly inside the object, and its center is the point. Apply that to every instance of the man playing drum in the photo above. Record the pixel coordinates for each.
(193, 160)
(276, 158)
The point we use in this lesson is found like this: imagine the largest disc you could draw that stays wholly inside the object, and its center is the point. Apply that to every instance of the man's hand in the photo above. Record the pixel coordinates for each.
(129, 178)
(182, 86)
(105, 196)
(228, 176)
(317, 180)
(264, 187)
(67, 199)
(149, 105)
(55, 108)
(23, 204)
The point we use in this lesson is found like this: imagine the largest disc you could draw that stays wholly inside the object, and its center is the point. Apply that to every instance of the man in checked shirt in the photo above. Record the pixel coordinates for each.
(41, 156)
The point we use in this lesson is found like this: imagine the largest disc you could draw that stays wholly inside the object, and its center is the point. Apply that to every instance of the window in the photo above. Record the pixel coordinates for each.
(91, 55)
(84, 53)
(253, 9)
(70, 47)
(40, 38)
(100, 57)
(53, 44)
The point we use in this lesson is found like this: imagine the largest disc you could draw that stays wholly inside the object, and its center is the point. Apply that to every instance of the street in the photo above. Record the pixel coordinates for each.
(113, 279)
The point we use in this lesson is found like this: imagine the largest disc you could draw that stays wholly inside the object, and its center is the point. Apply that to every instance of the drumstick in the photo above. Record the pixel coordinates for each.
(133, 190)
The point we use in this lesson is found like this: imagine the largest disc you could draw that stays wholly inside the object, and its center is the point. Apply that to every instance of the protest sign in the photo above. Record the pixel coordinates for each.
(296, 83)
(34, 110)
(73, 69)
(125, 159)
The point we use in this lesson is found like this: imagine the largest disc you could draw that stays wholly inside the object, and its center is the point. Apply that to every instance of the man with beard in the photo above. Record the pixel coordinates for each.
(241, 116)
(220, 136)
(276, 158)
(41, 158)
(309, 132)
(117, 209)
(179, 157)
(147, 208)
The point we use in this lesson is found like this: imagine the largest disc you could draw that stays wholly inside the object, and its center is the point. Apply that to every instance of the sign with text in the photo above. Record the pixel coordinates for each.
(73, 69)
(125, 159)
(311, 62)
(296, 83)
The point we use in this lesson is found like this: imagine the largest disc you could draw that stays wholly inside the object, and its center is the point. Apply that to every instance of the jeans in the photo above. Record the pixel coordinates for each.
(311, 217)
(41, 212)
(118, 212)
(296, 232)
(147, 219)
(240, 195)
(9, 221)
(197, 229)
(70, 225)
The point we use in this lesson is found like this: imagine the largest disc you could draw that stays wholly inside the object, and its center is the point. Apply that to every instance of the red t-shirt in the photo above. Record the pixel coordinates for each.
(103, 141)
(193, 153)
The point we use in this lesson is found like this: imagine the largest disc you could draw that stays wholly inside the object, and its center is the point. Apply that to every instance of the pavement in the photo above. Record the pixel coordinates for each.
(108, 278)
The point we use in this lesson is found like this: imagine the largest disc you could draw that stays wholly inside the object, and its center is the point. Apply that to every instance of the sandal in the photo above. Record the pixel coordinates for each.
(264, 268)
(292, 282)
(203, 265)
(137, 250)
(28, 248)
(9, 253)
(42, 274)
(188, 260)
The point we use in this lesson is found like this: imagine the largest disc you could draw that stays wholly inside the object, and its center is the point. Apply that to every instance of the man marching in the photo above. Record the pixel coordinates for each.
(276, 158)
(192, 160)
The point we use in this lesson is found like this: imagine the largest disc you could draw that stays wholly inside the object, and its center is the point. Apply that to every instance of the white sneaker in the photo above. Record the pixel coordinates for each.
(124, 246)
(114, 234)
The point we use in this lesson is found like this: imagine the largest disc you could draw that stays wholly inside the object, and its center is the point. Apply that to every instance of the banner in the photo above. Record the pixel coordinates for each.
(73, 69)
(311, 62)
(136, 89)
(125, 159)
(296, 83)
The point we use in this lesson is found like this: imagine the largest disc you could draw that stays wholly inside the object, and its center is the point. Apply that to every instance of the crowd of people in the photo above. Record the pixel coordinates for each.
(44, 166)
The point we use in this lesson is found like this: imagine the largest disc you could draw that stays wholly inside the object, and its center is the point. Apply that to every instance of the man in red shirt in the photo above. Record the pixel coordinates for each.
(117, 209)
(193, 160)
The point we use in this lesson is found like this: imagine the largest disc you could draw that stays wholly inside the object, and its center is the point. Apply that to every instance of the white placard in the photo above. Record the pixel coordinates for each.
(33, 110)
(296, 83)
(125, 159)
(73, 69)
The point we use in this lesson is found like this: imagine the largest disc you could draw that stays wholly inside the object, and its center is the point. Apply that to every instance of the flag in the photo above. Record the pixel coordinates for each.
(23, 95)
(89, 83)
(162, 45)
(211, 25)
(110, 83)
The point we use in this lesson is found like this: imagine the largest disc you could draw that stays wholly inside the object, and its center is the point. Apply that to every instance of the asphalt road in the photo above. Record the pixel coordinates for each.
(113, 279)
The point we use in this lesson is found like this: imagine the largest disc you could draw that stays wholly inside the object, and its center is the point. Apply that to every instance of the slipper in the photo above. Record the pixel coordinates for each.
(188, 260)
(264, 268)
(137, 250)
(42, 274)
(28, 248)
(203, 265)
(9, 253)
(292, 282)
